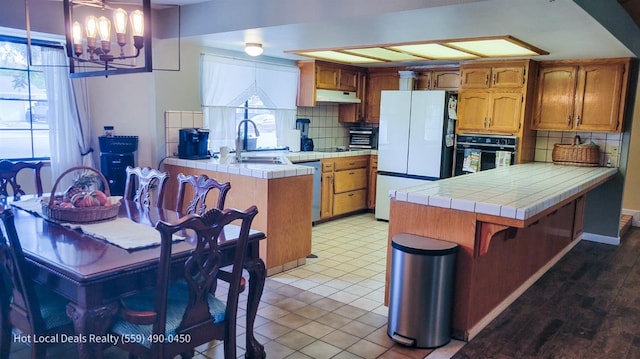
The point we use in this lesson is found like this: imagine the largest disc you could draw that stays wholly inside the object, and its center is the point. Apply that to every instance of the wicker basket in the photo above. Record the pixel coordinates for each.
(576, 154)
(80, 214)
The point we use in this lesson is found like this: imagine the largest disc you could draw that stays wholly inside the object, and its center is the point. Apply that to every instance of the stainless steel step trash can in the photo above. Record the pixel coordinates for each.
(421, 290)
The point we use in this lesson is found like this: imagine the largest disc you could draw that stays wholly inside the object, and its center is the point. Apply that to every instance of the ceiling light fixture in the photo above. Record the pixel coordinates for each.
(89, 36)
(253, 49)
(443, 50)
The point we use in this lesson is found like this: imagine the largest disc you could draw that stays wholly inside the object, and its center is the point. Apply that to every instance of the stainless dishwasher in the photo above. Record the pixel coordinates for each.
(317, 177)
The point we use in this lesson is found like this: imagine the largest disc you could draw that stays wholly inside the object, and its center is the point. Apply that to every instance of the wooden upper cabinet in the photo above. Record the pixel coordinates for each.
(438, 80)
(348, 79)
(483, 111)
(599, 97)
(555, 97)
(377, 82)
(472, 111)
(475, 77)
(581, 96)
(328, 76)
(331, 77)
(446, 80)
(505, 112)
(509, 76)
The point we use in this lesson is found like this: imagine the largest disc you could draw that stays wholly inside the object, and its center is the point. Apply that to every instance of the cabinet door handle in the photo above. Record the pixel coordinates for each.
(484, 123)
(489, 122)
(577, 120)
(494, 79)
(351, 173)
(350, 194)
(569, 121)
(486, 80)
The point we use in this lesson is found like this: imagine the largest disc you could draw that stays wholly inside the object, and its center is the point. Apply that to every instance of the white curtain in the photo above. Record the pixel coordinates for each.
(227, 83)
(69, 133)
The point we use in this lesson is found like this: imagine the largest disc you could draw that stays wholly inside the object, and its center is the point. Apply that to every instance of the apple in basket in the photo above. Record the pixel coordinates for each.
(89, 199)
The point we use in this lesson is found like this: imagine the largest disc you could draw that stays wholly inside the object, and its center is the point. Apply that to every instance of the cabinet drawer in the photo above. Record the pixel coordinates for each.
(327, 166)
(350, 180)
(349, 201)
(351, 163)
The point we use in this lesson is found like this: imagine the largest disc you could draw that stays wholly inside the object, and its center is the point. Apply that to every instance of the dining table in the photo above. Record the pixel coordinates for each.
(94, 273)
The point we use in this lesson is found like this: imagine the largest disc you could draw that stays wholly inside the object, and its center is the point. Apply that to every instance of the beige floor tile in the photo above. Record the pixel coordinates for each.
(366, 304)
(344, 297)
(320, 350)
(366, 349)
(333, 320)
(340, 339)
(272, 330)
(277, 350)
(315, 329)
(292, 320)
(295, 340)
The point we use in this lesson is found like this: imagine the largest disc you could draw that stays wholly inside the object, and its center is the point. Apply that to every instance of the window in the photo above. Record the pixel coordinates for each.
(24, 118)
(235, 89)
(265, 120)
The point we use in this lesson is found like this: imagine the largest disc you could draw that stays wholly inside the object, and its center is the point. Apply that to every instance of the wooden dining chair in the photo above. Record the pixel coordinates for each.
(149, 185)
(9, 177)
(186, 312)
(201, 186)
(31, 308)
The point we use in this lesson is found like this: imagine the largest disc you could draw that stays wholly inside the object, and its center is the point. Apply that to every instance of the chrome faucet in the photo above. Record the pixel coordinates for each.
(240, 142)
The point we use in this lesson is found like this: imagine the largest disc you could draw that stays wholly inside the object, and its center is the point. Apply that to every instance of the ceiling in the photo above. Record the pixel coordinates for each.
(560, 27)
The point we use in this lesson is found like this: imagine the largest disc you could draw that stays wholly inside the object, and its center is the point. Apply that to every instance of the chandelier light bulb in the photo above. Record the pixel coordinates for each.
(137, 23)
(91, 27)
(120, 21)
(77, 33)
(253, 49)
(104, 28)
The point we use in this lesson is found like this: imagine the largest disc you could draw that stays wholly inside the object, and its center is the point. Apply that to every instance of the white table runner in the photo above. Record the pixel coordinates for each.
(121, 232)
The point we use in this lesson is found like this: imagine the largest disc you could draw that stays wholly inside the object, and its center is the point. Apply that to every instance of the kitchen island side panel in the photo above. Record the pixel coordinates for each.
(284, 211)
(486, 277)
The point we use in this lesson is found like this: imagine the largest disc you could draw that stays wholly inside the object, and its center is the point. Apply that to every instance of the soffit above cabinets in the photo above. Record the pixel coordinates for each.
(451, 49)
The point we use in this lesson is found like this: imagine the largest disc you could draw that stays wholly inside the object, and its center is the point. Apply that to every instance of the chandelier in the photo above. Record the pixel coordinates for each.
(92, 27)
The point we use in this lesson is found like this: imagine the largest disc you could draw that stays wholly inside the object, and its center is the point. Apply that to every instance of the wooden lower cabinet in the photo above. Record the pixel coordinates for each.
(494, 260)
(284, 210)
(373, 182)
(326, 197)
(349, 201)
(344, 185)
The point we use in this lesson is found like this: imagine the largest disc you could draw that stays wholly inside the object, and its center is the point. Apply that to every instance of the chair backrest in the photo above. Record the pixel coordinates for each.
(201, 185)
(9, 173)
(202, 266)
(24, 311)
(147, 181)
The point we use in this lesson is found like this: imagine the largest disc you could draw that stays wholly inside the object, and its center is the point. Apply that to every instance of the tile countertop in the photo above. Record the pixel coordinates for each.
(518, 192)
(266, 171)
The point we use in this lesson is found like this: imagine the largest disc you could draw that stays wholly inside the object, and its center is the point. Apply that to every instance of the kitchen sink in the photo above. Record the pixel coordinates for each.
(271, 160)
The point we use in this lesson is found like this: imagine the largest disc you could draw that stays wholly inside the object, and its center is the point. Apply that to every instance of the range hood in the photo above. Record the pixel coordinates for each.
(336, 96)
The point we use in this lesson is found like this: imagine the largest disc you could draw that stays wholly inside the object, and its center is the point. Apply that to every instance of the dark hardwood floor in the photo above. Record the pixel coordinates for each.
(586, 306)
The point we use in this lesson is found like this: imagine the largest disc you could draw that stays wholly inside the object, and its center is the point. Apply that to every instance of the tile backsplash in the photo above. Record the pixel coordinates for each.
(325, 129)
(609, 144)
(174, 121)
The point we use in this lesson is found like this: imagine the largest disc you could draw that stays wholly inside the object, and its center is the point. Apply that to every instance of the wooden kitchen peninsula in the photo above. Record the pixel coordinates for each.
(512, 224)
(282, 193)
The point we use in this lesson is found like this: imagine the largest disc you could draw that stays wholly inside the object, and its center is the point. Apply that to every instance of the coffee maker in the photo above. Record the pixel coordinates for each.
(302, 124)
(193, 143)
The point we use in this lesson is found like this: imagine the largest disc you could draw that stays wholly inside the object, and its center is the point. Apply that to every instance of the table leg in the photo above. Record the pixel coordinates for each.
(257, 276)
(5, 327)
(91, 321)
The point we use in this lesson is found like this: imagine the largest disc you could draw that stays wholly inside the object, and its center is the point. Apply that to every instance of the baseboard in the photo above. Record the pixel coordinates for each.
(475, 330)
(633, 213)
(592, 237)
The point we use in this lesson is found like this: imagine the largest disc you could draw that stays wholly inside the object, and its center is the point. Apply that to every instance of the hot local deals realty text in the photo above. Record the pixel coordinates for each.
(59, 338)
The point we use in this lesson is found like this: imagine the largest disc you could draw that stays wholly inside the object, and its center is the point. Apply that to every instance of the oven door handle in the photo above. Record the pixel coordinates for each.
(486, 151)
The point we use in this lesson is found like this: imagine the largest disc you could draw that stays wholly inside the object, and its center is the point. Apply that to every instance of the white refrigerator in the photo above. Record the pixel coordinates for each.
(415, 141)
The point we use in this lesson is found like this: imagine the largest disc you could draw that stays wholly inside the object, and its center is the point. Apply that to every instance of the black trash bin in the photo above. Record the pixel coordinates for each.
(421, 290)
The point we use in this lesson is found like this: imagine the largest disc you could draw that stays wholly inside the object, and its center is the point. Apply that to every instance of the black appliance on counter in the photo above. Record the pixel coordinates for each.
(363, 138)
(306, 143)
(116, 153)
(488, 147)
(193, 143)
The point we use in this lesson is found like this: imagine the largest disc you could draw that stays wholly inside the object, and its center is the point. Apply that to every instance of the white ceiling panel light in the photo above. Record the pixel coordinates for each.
(451, 49)
(253, 49)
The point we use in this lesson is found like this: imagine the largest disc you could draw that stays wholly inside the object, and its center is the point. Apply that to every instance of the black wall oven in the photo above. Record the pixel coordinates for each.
(488, 145)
